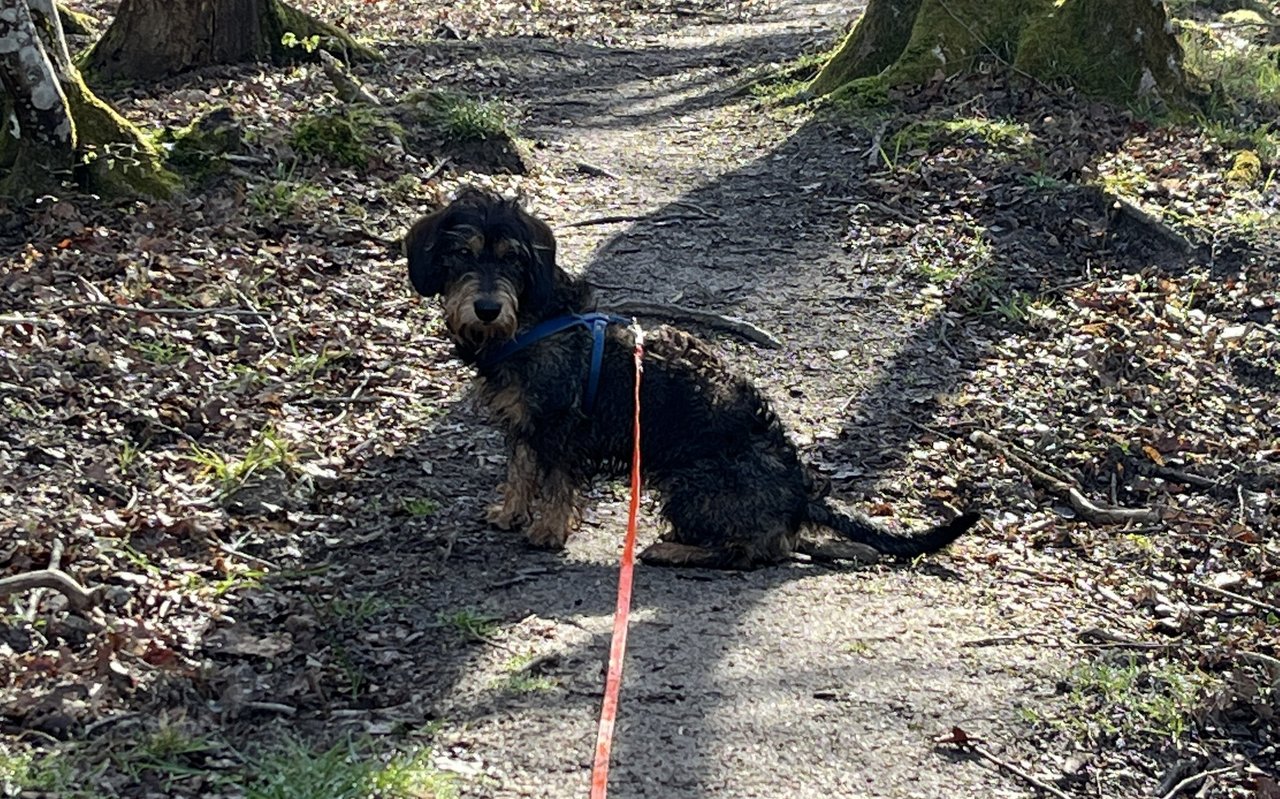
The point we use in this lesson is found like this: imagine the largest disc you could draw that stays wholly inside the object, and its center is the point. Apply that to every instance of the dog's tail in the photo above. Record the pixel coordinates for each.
(862, 529)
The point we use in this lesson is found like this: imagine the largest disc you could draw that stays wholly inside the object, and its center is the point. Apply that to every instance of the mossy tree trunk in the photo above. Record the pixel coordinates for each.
(58, 124)
(1118, 49)
(150, 39)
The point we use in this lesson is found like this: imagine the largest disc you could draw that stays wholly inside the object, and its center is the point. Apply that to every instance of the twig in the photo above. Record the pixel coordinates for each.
(1199, 481)
(607, 220)
(226, 548)
(437, 169)
(1102, 514)
(696, 207)
(873, 152)
(273, 707)
(1012, 769)
(78, 597)
(1257, 603)
(106, 721)
(1258, 657)
(613, 219)
(596, 171)
(353, 397)
(55, 563)
(996, 640)
(237, 158)
(968, 743)
(27, 320)
(740, 327)
(924, 428)
(262, 319)
(1096, 636)
(1194, 778)
(138, 309)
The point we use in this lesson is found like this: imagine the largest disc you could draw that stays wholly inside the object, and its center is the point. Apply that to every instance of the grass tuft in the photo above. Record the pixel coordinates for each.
(292, 770)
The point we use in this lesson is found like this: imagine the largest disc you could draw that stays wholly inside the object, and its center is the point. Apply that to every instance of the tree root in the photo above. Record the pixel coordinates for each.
(1089, 511)
(739, 327)
(78, 597)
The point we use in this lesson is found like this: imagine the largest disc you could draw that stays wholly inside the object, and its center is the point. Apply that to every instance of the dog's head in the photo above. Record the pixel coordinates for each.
(492, 263)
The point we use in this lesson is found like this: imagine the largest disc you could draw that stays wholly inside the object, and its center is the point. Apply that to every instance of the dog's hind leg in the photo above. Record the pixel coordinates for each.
(558, 513)
(836, 550)
(518, 492)
(671, 553)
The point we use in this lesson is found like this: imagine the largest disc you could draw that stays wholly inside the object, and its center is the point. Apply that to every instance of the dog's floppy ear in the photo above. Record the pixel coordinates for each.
(544, 241)
(419, 245)
(543, 244)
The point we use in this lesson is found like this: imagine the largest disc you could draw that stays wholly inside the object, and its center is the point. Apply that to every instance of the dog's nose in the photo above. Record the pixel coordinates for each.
(487, 310)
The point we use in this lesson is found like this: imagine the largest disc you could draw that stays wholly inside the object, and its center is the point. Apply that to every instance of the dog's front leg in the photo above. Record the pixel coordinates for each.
(518, 492)
(559, 512)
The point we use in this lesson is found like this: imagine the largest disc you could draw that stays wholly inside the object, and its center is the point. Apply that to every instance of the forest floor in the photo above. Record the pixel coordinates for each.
(228, 416)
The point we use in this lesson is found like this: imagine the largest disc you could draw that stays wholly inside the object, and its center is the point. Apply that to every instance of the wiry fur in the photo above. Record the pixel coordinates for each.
(732, 486)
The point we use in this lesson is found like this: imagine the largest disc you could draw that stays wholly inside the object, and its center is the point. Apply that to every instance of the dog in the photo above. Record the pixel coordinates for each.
(732, 486)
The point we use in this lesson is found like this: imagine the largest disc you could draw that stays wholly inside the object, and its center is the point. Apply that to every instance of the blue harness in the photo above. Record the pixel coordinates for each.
(595, 322)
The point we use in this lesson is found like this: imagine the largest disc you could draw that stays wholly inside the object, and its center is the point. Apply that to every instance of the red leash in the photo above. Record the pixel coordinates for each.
(618, 647)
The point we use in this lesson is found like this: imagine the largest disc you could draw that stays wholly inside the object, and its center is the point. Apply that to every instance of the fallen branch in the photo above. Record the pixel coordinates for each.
(595, 171)
(1248, 600)
(1263, 660)
(1125, 208)
(138, 309)
(27, 320)
(55, 564)
(1016, 771)
(1088, 510)
(1194, 778)
(273, 707)
(613, 219)
(78, 597)
(729, 324)
(437, 169)
(968, 743)
(348, 88)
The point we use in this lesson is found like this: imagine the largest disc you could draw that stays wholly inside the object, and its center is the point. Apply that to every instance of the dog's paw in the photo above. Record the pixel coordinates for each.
(546, 536)
(506, 518)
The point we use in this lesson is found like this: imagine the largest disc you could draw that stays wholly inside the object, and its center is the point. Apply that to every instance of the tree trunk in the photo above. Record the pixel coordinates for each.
(57, 122)
(1117, 49)
(41, 117)
(150, 39)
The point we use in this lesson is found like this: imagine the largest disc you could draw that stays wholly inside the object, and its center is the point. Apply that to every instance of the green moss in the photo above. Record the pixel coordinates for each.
(280, 18)
(115, 158)
(861, 94)
(121, 161)
(1120, 53)
(76, 23)
(196, 150)
(789, 84)
(1237, 77)
(1246, 168)
(875, 42)
(345, 136)
(951, 37)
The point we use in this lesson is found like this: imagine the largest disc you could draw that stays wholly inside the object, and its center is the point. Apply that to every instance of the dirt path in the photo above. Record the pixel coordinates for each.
(237, 422)
(793, 681)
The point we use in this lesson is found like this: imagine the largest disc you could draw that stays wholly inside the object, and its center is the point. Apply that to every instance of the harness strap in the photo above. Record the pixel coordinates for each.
(597, 323)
